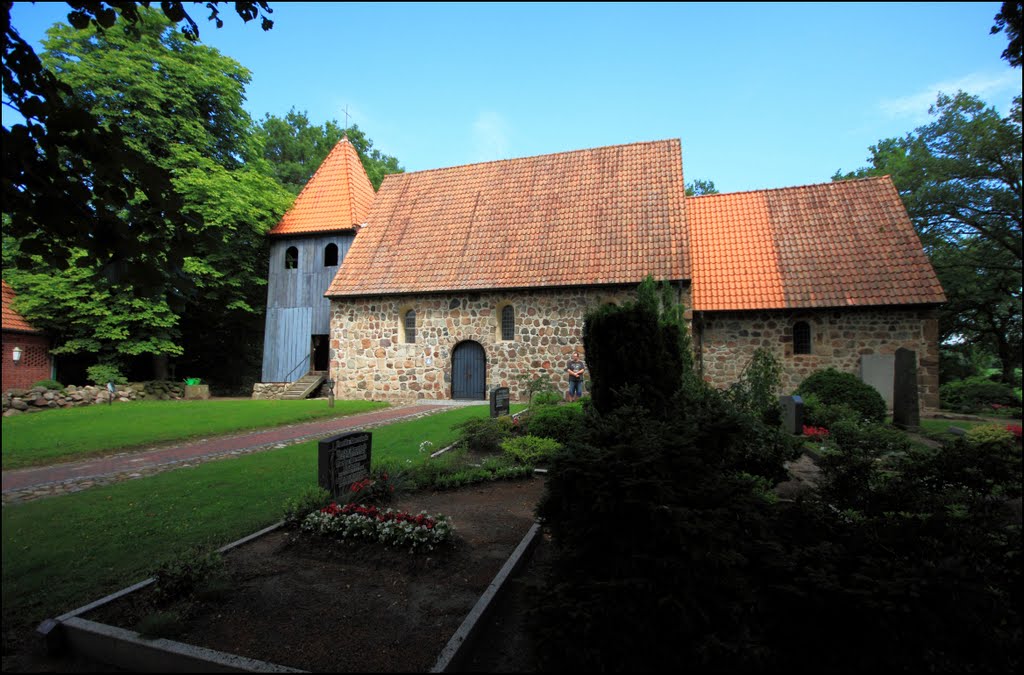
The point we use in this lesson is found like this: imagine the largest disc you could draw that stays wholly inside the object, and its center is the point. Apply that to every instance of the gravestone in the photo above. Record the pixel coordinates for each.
(499, 401)
(877, 370)
(792, 414)
(343, 460)
(905, 411)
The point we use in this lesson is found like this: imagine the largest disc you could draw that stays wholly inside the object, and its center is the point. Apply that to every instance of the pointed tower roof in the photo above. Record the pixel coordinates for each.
(337, 197)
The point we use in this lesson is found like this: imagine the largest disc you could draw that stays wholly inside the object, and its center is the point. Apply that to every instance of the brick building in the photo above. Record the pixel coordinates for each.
(27, 357)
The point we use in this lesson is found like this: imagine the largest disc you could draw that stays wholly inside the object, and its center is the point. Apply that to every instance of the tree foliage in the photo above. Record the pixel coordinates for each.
(1009, 19)
(192, 277)
(699, 186)
(295, 148)
(960, 179)
(74, 183)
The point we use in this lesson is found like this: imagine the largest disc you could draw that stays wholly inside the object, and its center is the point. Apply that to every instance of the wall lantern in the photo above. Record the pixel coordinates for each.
(16, 354)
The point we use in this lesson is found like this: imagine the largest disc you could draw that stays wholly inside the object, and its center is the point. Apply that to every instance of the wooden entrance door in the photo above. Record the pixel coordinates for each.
(469, 368)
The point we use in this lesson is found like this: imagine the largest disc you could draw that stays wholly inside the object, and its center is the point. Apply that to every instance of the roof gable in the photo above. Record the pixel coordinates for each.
(840, 244)
(607, 215)
(337, 197)
(11, 319)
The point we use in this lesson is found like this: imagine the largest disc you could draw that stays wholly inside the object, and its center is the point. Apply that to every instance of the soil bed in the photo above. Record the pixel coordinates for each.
(324, 605)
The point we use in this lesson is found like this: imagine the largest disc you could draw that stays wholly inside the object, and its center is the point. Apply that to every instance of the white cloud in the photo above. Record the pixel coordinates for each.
(986, 86)
(490, 137)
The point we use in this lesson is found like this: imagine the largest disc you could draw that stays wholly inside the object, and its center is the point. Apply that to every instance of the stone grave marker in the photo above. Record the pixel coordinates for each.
(792, 414)
(905, 411)
(499, 401)
(343, 460)
(878, 371)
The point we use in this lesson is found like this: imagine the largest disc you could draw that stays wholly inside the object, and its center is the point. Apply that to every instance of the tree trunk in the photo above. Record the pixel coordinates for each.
(160, 367)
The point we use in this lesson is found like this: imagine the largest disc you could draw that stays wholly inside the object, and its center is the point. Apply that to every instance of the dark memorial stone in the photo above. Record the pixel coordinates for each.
(792, 414)
(905, 411)
(499, 401)
(343, 460)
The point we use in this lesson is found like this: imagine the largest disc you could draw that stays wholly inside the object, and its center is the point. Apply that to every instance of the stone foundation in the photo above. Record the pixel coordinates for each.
(269, 391)
(369, 359)
(839, 337)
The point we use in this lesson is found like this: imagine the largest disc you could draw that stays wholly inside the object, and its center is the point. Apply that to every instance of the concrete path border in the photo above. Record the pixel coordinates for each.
(127, 649)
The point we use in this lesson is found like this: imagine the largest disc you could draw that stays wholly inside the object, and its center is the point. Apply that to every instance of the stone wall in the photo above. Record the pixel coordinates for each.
(370, 361)
(37, 399)
(839, 337)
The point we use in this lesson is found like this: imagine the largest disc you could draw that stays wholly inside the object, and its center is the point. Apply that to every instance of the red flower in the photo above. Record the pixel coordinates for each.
(1014, 429)
(815, 433)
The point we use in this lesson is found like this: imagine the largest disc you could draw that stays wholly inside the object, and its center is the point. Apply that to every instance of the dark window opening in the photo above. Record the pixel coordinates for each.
(801, 338)
(331, 255)
(291, 258)
(410, 326)
(508, 322)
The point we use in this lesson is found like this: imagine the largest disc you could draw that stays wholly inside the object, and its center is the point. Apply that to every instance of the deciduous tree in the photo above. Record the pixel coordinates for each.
(196, 272)
(295, 148)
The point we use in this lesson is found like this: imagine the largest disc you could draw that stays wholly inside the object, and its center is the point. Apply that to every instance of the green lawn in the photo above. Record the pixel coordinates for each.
(77, 433)
(63, 552)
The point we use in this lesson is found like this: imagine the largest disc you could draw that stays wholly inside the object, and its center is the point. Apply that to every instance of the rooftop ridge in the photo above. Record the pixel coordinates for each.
(547, 154)
(794, 187)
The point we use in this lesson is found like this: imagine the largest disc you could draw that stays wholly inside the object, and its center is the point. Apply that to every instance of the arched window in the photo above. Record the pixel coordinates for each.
(801, 338)
(410, 326)
(331, 255)
(508, 323)
(291, 258)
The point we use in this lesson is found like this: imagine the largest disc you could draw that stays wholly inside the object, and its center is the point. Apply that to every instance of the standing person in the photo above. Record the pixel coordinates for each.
(575, 369)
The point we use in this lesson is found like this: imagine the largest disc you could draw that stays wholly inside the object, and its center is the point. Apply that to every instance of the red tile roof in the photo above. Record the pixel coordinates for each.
(337, 197)
(600, 216)
(11, 319)
(839, 244)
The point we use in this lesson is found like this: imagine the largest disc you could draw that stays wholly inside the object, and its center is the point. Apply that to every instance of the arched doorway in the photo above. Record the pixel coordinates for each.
(469, 369)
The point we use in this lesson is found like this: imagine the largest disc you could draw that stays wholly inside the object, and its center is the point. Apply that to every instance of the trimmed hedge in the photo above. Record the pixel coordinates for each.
(832, 387)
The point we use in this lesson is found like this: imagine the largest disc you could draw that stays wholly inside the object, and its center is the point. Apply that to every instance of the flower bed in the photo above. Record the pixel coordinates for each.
(388, 526)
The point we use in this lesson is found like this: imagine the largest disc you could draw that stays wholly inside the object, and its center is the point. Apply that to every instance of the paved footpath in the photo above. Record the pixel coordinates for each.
(57, 479)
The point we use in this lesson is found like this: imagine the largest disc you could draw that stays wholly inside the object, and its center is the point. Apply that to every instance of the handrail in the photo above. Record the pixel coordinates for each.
(305, 360)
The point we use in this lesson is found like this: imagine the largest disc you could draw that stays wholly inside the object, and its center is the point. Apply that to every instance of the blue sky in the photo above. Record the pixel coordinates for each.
(761, 95)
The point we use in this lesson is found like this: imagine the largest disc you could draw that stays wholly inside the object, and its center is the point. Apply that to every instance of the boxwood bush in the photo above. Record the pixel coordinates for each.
(832, 387)
(977, 394)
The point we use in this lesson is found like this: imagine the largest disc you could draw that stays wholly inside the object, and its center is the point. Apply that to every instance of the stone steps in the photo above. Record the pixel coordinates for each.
(303, 387)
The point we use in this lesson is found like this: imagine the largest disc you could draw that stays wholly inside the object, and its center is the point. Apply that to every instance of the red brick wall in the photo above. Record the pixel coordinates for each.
(36, 363)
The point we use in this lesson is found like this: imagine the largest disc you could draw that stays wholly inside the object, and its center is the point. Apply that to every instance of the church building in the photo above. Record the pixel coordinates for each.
(454, 281)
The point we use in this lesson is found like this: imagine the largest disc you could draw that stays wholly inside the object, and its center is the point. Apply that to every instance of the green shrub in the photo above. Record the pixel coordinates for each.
(531, 450)
(53, 385)
(561, 423)
(100, 374)
(990, 437)
(484, 434)
(180, 578)
(632, 356)
(547, 398)
(817, 414)
(977, 394)
(756, 392)
(312, 498)
(835, 388)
